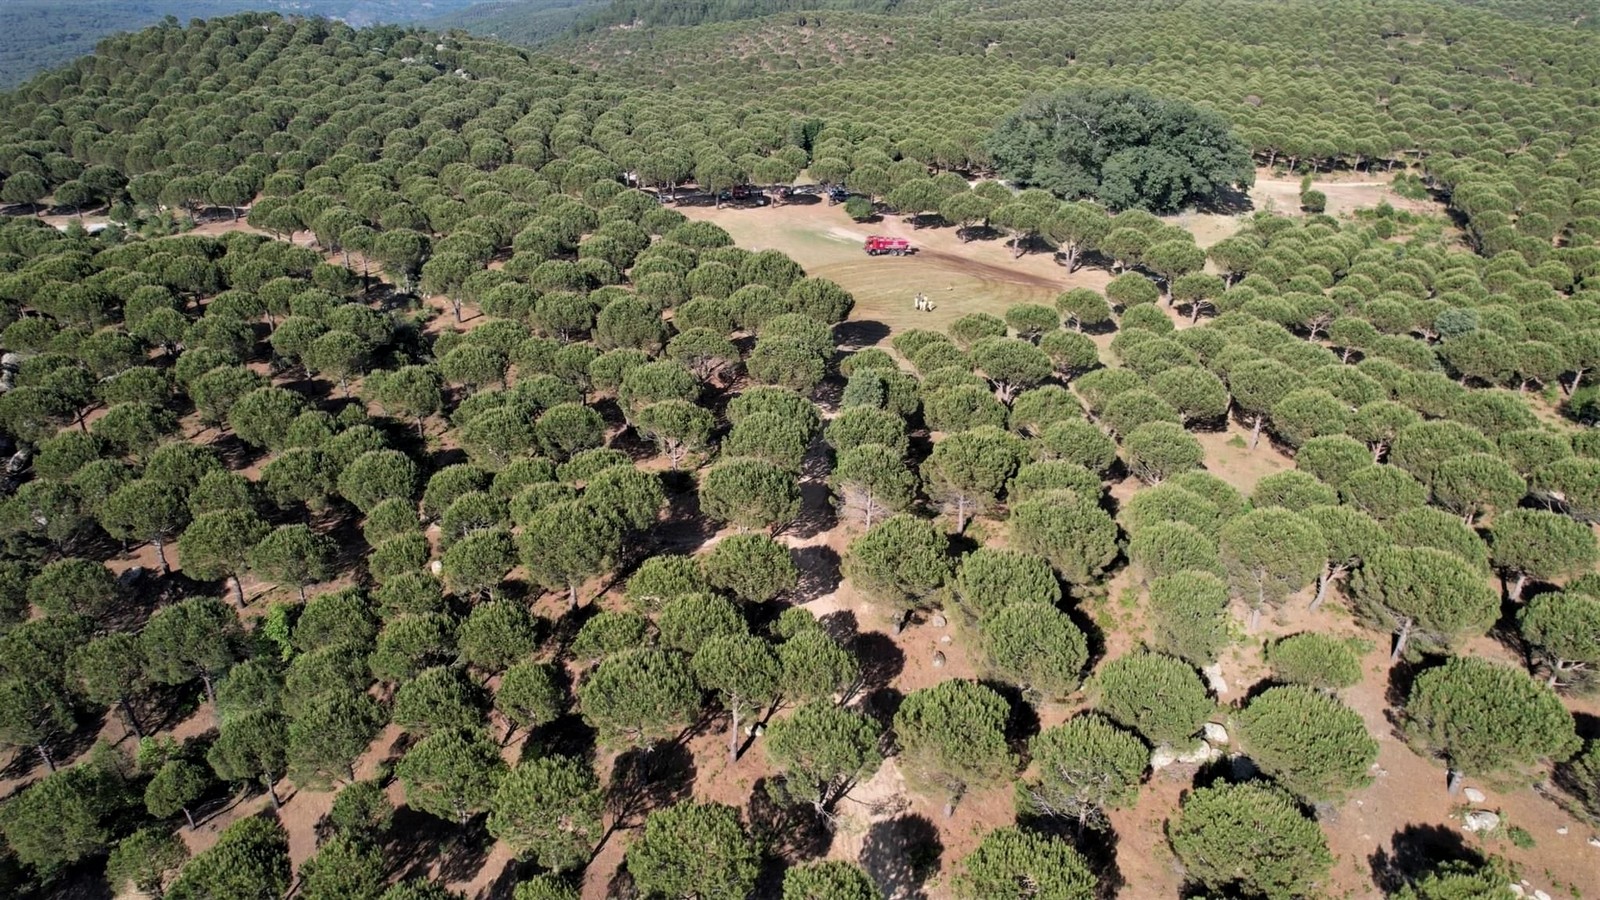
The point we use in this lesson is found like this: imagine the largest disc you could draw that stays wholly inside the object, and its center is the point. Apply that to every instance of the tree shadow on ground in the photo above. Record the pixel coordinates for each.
(1415, 850)
(816, 511)
(685, 528)
(1022, 721)
(1401, 676)
(79, 885)
(645, 780)
(819, 572)
(416, 839)
(841, 625)
(621, 886)
(900, 854)
(1227, 201)
(791, 832)
(465, 852)
(881, 660)
(860, 333)
(567, 735)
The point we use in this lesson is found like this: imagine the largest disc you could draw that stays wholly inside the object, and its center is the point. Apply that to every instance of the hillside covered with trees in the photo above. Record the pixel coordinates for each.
(411, 491)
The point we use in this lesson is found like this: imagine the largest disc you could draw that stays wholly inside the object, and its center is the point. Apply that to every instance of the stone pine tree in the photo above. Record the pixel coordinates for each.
(871, 482)
(528, 696)
(175, 787)
(1476, 483)
(968, 470)
(1160, 697)
(146, 509)
(1269, 554)
(1257, 386)
(197, 638)
(750, 494)
(218, 545)
(1086, 766)
(1423, 592)
(744, 672)
(250, 859)
(35, 713)
(901, 561)
(815, 666)
(1307, 741)
(1036, 647)
(451, 774)
(694, 849)
(328, 733)
(1349, 536)
(1249, 840)
(829, 879)
(952, 738)
(1482, 718)
(1562, 630)
(1068, 529)
(639, 697)
(991, 579)
(252, 747)
(1461, 878)
(753, 567)
(565, 544)
(1534, 543)
(1314, 659)
(549, 810)
(1189, 615)
(145, 859)
(343, 868)
(111, 670)
(822, 751)
(1011, 864)
(294, 554)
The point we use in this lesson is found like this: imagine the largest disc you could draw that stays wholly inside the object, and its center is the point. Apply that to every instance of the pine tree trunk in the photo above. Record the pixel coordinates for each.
(733, 732)
(44, 754)
(302, 593)
(572, 596)
(1400, 640)
(189, 817)
(1255, 432)
(272, 791)
(238, 590)
(961, 515)
(1515, 588)
(1322, 587)
(161, 554)
(133, 720)
(1454, 784)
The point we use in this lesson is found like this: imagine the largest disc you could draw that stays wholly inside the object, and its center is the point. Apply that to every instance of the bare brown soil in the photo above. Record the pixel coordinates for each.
(885, 824)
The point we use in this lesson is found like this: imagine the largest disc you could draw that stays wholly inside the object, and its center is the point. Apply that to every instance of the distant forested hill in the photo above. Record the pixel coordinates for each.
(42, 34)
(1579, 13)
(524, 22)
(698, 12)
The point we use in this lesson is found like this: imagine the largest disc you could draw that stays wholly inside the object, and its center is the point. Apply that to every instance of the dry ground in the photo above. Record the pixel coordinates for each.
(884, 823)
(980, 275)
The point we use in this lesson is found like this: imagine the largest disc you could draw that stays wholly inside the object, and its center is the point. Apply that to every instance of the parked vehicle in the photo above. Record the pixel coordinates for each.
(878, 245)
(837, 194)
(744, 193)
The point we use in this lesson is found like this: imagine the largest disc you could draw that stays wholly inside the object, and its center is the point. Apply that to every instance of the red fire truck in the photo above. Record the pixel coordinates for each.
(878, 245)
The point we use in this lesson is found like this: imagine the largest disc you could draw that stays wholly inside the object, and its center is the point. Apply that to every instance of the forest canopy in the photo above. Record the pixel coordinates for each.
(1125, 147)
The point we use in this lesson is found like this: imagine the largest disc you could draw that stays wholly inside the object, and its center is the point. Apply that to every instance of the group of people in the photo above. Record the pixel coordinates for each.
(923, 303)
